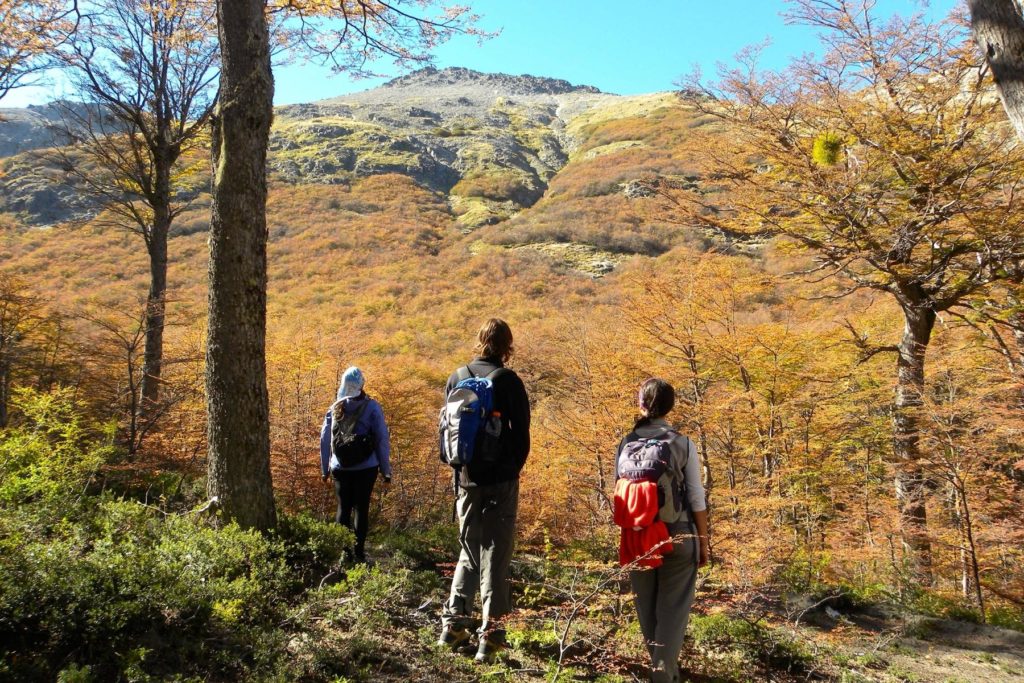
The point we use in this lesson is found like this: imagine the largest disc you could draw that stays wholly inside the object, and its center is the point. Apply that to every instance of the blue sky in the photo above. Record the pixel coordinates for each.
(620, 47)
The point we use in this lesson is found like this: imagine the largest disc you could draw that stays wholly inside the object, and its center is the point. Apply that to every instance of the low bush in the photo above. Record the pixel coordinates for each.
(942, 606)
(98, 586)
(754, 640)
(1007, 617)
(194, 597)
(52, 454)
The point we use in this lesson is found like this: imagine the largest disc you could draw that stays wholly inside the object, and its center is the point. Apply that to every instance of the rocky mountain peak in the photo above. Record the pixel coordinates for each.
(514, 85)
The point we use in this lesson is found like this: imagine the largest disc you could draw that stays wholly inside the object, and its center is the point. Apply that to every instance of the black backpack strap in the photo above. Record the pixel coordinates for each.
(362, 409)
(497, 372)
(346, 423)
(463, 373)
(631, 436)
(683, 485)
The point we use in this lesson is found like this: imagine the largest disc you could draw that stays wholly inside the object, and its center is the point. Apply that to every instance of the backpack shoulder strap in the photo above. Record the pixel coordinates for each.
(497, 372)
(349, 422)
(631, 436)
(683, 485)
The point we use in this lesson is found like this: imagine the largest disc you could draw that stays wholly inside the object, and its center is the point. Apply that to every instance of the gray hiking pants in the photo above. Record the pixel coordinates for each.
(487, 530)
(663, 599)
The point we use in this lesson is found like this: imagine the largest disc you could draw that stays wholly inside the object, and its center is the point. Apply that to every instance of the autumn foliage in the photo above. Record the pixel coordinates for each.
(778, 384)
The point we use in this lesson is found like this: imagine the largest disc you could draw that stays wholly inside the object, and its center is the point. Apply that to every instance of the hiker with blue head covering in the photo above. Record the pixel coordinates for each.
(354, 447)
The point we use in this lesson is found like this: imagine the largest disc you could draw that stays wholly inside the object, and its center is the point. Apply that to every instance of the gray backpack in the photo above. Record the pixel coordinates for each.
(648, 459)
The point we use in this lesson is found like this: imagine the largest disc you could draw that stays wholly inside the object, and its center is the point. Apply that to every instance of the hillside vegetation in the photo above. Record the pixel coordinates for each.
(399, 219)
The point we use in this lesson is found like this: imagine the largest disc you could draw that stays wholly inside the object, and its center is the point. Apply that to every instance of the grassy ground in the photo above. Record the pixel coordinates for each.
(382, 622)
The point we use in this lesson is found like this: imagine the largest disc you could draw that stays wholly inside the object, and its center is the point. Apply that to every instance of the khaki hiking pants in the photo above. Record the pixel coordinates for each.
(487, 530)
(664, 596)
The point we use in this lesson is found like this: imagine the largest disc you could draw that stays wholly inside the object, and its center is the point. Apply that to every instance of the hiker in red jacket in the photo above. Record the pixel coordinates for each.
(666, 543)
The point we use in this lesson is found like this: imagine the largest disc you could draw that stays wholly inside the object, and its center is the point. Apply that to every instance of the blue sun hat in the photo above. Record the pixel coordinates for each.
(351, 383)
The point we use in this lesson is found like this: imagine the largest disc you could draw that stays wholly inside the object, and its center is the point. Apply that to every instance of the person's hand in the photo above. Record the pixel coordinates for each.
(325, 477)
(705, 552)
(387, 481)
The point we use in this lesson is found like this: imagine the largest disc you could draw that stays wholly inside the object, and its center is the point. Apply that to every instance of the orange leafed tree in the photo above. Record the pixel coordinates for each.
(349, 34)
(887, 160)
(148, 71)
(29, 31)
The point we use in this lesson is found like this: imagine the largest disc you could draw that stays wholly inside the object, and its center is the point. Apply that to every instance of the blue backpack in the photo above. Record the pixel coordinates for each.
(469, 426)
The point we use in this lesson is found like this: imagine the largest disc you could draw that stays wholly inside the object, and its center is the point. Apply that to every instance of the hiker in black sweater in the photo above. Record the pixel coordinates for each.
(488, 499)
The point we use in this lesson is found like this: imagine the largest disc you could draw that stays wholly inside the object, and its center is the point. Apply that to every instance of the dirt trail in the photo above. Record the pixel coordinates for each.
(881, 645)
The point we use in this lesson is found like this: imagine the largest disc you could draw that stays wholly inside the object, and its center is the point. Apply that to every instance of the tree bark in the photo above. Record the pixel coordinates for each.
(156, 307)
(5, 384)
(911, 489)
(236, 386)
(999, 31)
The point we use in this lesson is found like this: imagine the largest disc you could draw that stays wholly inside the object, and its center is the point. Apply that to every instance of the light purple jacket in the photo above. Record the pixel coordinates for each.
(370, 422)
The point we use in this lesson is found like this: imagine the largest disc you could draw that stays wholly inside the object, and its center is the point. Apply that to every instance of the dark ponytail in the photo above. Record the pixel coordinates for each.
(657, 398)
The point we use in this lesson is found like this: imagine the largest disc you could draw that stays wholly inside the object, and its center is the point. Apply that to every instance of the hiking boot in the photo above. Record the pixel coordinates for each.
(489, 648)
(453, 637)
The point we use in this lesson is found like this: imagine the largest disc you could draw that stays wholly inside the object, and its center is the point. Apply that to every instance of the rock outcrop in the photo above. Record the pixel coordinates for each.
(490, 142)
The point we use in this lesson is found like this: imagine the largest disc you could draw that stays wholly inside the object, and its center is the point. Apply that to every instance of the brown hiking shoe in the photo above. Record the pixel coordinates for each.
(489, 648)
(453, 637)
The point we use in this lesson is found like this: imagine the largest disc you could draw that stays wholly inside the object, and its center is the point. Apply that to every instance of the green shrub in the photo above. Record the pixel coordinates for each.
(313, 547)
(369, 594)
(1007, 617)
(425, 547)
(542, 641)
(75, 674)
(53, 453)
(170, 589)
(944, 607)
(754, 639)
(828, 148)
(803, 572)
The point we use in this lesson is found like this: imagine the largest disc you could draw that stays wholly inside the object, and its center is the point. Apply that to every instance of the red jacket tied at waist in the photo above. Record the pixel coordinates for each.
(636, 512)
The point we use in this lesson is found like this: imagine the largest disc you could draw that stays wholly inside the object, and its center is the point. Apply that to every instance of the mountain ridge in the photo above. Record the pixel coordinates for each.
(490, 142)
(523, 84)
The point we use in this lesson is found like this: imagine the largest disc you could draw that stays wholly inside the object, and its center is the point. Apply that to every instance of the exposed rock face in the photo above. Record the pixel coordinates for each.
(491, 142)
(23, 130)
(512, 85)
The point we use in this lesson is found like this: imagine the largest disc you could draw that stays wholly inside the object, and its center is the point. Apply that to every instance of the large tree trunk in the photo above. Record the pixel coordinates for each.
(999, 32)
(911, 489)
(236, 385)
(156, 304)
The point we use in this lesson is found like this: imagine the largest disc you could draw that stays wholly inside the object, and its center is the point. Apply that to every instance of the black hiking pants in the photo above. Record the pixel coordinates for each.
(354, 488)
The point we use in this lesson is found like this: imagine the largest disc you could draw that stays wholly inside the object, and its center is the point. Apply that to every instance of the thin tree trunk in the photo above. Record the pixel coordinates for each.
(156, 305)
(910, 480)
(5, 386)
(236, 385)
(960, 526)
(1015, 356)
(971, 548)
(999, 31)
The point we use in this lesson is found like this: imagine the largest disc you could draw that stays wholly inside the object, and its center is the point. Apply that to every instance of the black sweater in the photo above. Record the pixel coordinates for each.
(511, 401)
